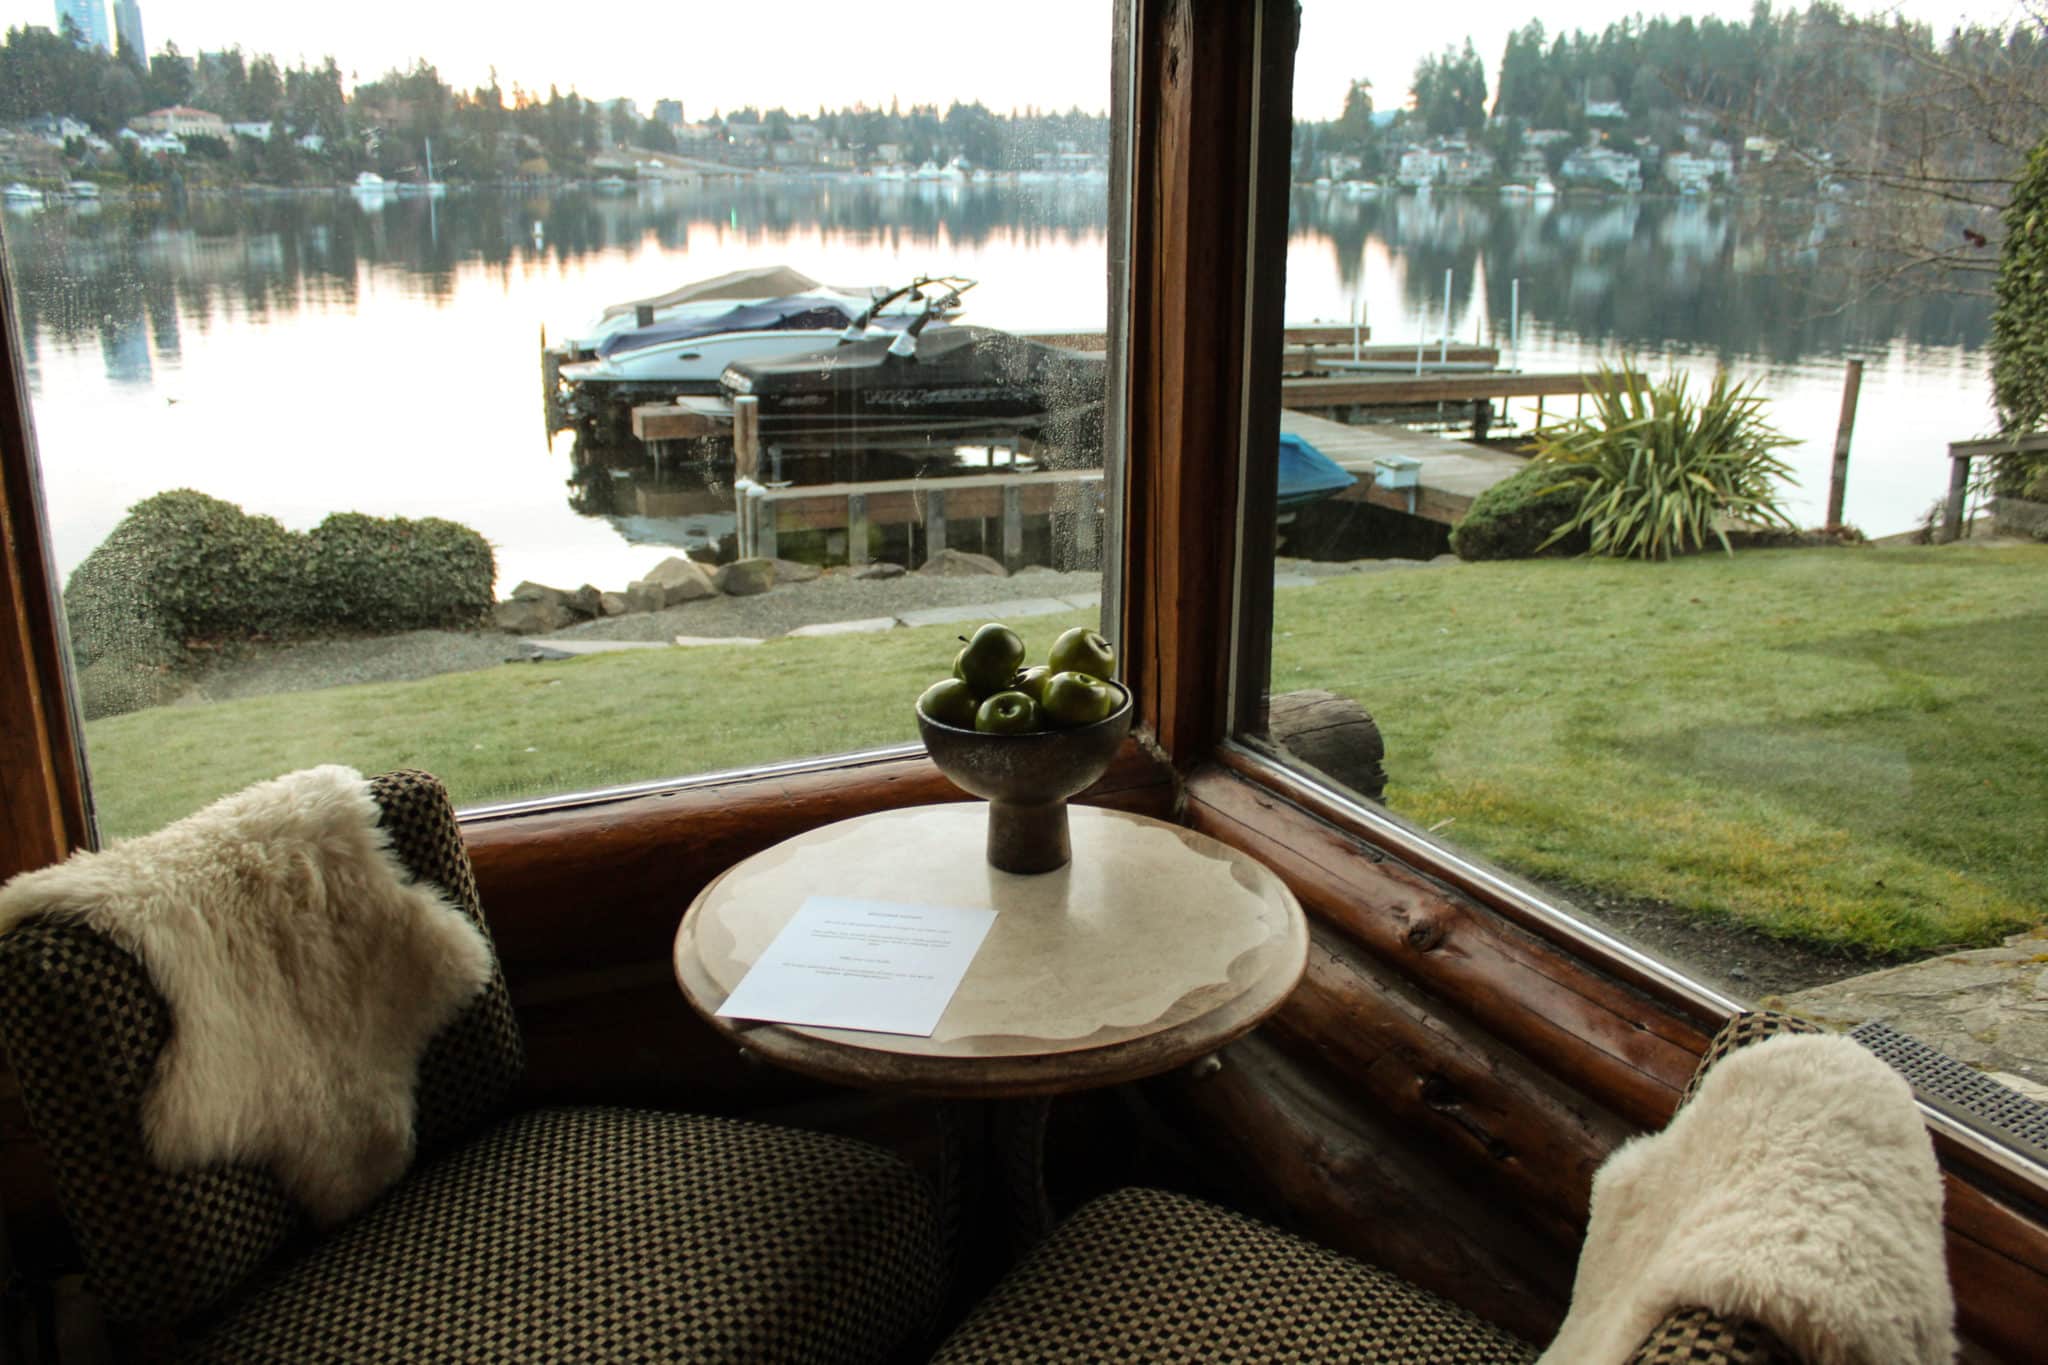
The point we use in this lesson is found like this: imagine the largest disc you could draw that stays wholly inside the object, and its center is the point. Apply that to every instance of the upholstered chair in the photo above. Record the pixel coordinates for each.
(555, 1234)
(1147, 1275)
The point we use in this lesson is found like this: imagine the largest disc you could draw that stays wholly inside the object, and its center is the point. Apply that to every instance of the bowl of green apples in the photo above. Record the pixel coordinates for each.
(1026, 736)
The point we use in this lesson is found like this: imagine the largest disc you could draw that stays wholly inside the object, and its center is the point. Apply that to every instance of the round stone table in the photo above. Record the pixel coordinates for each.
(1152, 948)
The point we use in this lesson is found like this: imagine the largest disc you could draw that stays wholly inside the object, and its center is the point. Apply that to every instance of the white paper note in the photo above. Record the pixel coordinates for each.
(857, 964)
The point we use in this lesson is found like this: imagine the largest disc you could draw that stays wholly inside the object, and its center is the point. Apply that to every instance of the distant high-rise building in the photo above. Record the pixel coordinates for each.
(89, 17)
(128, 25)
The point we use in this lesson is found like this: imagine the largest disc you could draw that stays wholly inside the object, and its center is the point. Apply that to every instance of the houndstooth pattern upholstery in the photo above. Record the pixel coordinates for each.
(564, 1234)
(613, 1235)
(1694, 1336)
(1144, 1275)
(83, 1027)
(472, 1065)
(1750, 1026)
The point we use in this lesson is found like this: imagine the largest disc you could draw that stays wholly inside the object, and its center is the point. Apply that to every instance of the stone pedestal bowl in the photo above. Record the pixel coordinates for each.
(1026, 780)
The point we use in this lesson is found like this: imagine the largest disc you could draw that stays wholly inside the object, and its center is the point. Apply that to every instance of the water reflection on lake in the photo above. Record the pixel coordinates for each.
(303, 354)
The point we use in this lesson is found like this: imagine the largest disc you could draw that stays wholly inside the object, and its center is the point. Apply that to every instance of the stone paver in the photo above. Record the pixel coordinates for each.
(1293, 580)
(696, 640)
(1987, 1006)
(558, 647)
(986, 611)
(867, 626)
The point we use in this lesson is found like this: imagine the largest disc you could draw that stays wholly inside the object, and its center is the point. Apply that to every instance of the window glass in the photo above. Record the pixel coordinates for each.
(1792, 765)
(335, 348)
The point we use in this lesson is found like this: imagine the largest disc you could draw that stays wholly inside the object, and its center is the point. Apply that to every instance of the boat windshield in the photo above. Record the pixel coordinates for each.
(799, 312)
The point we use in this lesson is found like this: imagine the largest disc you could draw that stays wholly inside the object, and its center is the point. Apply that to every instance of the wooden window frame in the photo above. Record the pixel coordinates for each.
(1415, 941)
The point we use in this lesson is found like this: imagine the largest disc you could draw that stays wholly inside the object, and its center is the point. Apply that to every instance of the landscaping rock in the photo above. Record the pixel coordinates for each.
(587, 602)
(539, 592)
(746, 577)
(952, 563)
(681, 580)
(881, 570)
(642, 595)
(612, 604)
(789, 571)
(530, 616)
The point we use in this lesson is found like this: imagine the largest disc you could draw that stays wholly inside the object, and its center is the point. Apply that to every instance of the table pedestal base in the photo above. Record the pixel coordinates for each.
(1028, 839)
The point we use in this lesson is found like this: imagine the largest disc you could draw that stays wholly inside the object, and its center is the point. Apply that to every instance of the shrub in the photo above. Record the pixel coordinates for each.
(183, 566)
(2019, 327)
(180, 564)
(1662, 467)
(1518, 517)
(392, 573)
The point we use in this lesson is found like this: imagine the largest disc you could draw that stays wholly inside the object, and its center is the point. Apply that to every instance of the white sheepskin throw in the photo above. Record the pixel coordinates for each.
(304, 977)
(1798, 1188)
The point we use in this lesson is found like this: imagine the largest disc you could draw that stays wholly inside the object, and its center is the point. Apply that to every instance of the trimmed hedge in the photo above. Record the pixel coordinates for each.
(392, 573)
(2019, 326)
(184, 566)
(1512, 519)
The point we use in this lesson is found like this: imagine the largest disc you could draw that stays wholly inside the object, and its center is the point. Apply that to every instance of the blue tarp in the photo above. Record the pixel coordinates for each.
(798, 312)
(1306, 473)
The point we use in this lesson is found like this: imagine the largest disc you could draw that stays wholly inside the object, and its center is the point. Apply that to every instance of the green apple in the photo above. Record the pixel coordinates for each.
(1073, 698)
(1082, 650)
(949, 701)
(990, 660)
(1007, 713)
(1031, 682)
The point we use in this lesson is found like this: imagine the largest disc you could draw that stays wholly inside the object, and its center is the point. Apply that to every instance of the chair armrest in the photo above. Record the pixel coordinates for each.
(1751, 1026)
(1695, 1336)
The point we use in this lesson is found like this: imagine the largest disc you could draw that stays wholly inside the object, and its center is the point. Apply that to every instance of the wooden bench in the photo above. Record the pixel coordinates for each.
(1960, 453)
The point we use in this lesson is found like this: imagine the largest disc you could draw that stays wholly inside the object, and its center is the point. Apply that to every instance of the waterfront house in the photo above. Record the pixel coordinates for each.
(181, 121)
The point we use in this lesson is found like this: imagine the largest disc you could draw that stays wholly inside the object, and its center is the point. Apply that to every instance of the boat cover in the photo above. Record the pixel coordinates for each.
(799, 312)
(757, 282)
(1307, 474)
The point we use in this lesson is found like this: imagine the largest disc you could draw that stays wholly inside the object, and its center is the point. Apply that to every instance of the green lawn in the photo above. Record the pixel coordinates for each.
(522, 730)
(1841, 746)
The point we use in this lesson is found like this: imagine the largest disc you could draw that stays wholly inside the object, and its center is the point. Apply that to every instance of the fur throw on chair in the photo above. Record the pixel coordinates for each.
(304, 970)
(1798, 1189)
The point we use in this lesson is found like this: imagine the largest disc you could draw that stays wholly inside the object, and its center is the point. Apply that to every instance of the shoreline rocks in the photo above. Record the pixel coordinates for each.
(537, 609)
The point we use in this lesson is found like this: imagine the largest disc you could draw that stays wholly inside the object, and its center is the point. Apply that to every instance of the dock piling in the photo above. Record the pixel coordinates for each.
(1838, 481)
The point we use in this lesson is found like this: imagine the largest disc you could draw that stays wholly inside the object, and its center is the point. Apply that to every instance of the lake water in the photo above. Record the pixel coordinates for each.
(307, 354)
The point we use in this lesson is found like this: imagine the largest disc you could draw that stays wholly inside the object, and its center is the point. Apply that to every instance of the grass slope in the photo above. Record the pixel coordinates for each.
(1844, 747)
(520, 730)
(1841, 746)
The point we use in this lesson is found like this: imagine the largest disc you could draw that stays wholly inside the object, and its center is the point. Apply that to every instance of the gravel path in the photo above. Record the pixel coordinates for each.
(252, 670)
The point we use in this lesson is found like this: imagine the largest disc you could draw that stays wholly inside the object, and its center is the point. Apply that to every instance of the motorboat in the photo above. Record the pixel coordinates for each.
(756, 284)
(691, 344)
(928, 379)
(370, 187)
(82, 189)
(21, 196)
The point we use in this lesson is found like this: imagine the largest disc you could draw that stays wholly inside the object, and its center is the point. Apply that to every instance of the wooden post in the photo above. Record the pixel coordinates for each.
(643, 315)
(1086, 537)
(934, 523)
(1013, 527)
(764, 525)
(746, 438)
(1958, 490)
(856, 529)
(1838, 482)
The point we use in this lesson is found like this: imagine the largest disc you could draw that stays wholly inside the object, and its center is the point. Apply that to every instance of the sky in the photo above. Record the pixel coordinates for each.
(718, 55)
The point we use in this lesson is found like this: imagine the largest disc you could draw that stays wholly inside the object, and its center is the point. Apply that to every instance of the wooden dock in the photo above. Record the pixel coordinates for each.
(765, 513)
(1451, 473)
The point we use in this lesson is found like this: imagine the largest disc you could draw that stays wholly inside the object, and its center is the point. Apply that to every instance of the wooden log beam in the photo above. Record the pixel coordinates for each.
(1491, 1117)
(1594, 1033)
(1326, 1164)
(1338, 391)
(579, 888)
